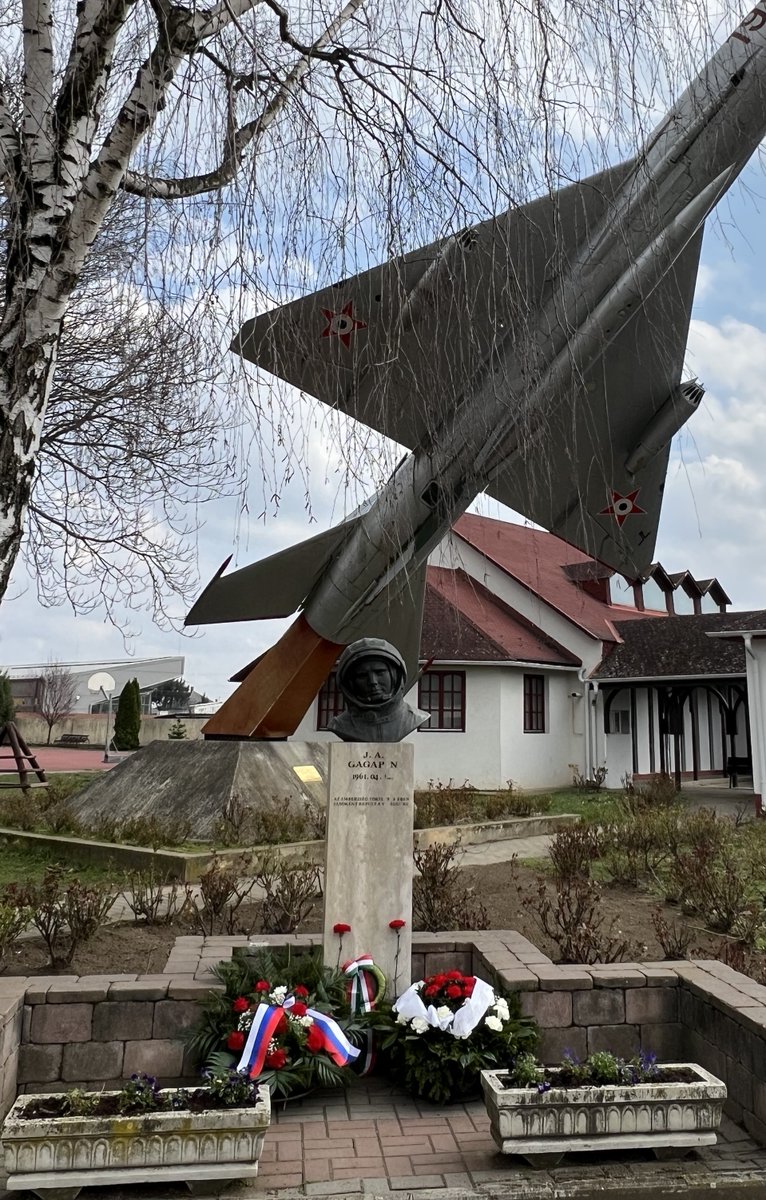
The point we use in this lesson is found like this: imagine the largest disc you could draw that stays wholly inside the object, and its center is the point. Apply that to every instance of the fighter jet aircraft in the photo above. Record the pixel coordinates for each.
(537, 356)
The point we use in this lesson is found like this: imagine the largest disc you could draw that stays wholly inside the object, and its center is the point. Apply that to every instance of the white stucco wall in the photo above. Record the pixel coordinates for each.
(494, 747)
(540, 760)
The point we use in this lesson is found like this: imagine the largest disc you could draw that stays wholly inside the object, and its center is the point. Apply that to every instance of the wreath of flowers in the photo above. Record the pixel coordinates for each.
(444, 1030)
(296, 1053)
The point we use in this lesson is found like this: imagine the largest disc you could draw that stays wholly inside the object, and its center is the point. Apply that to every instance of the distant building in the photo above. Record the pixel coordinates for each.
(535, 657)
(26, 680)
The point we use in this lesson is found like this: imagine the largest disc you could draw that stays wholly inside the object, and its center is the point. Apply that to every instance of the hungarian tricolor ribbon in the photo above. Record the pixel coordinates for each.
(363, 987)
(363, 992)
(266, 1021)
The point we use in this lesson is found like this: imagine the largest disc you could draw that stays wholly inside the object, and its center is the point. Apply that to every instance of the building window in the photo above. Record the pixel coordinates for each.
(534, 704)
(330, 702)
(442, 694)
(619, 720)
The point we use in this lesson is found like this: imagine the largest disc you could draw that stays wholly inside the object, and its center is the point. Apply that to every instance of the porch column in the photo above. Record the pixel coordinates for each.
(755, 668)
(755, 662)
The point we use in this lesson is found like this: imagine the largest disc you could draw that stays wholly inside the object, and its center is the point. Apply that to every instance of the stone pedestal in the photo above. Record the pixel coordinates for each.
(368, 867)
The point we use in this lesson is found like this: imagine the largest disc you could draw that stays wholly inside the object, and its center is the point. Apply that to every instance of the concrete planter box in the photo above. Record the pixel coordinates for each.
(56, 1156)
(544, 1126)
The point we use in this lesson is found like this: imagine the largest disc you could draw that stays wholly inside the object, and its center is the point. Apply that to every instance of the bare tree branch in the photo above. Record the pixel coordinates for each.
(174, 189)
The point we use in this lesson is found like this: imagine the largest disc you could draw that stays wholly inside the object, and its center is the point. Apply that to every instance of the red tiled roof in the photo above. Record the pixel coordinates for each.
(464, 622)
(538, 561)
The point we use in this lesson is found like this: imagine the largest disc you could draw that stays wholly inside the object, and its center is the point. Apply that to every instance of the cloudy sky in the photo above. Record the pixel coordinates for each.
(714, 517)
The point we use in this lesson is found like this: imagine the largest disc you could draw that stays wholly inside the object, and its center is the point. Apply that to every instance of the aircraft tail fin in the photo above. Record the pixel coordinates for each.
(274, 587)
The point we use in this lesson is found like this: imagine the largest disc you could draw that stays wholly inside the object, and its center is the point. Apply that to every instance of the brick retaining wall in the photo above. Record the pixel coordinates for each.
(60, 1031)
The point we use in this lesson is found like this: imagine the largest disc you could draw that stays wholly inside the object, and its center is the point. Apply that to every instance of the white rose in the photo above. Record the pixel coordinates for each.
(443, 1012)
(493, 1023)
(502, 1010)
(419, 1025)
(401, 1019)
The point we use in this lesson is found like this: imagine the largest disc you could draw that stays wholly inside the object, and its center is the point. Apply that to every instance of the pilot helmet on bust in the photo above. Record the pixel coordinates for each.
(371, 648)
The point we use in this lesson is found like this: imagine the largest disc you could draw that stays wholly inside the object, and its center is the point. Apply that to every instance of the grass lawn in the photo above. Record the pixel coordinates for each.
(67, 784)
(591, 806)
(19, 863)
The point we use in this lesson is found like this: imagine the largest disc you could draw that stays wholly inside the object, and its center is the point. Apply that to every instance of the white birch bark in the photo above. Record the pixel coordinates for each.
(58, 194)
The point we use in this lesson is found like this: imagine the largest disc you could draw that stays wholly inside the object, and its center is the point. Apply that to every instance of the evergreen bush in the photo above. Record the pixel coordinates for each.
(127, 722)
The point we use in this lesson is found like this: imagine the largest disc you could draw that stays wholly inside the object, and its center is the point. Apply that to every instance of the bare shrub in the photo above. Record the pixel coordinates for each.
(573, 849)
(440, 899)
(636, 847)
(674, 938)
(702, 854)
(13, 921)
(277, 822)
(569, 913)
(291, 888)
(150, 899)
(658, 792)
(584, 783)
(65, 911)
(224, 887)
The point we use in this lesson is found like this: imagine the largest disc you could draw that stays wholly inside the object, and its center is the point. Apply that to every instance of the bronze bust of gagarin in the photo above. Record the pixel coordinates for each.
(372, 676)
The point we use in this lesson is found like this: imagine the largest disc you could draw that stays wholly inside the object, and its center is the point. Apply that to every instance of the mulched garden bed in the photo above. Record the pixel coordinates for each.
(142, 949)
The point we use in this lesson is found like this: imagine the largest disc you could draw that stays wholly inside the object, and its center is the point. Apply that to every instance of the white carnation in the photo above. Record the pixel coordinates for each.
(419, 1025)
(278, 995)
(493, 1023)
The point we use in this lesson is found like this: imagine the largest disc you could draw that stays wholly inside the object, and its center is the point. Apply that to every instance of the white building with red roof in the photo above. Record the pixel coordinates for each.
(517, 627)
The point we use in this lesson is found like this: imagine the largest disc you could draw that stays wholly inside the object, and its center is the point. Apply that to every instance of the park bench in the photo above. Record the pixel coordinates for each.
(72, 739)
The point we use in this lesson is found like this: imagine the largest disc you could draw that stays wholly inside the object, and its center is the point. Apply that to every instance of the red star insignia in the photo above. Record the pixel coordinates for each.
(622, 507)
(341, 325)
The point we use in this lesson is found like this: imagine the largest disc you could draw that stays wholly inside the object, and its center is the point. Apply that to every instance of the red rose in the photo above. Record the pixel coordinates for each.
(453, 991)
(341, 928)
(300, 990)
(398, 924)
(454, 975)
(235, 1040)
(240, 1005)
(439, 980)
(314, 1040)
(469, 987)
(298, 1009)
(262, 985)
(276, 1059)
(431, 991)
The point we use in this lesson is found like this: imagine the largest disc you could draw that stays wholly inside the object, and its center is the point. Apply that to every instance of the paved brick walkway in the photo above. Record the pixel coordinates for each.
(377, 1140)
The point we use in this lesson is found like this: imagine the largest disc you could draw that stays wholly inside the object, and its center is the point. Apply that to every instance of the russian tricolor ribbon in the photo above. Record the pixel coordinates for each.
(266, 1021)
(336, 1044)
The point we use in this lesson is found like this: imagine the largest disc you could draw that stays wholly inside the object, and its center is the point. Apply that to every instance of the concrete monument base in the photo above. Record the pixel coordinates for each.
(368, 868)
(187, 783)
